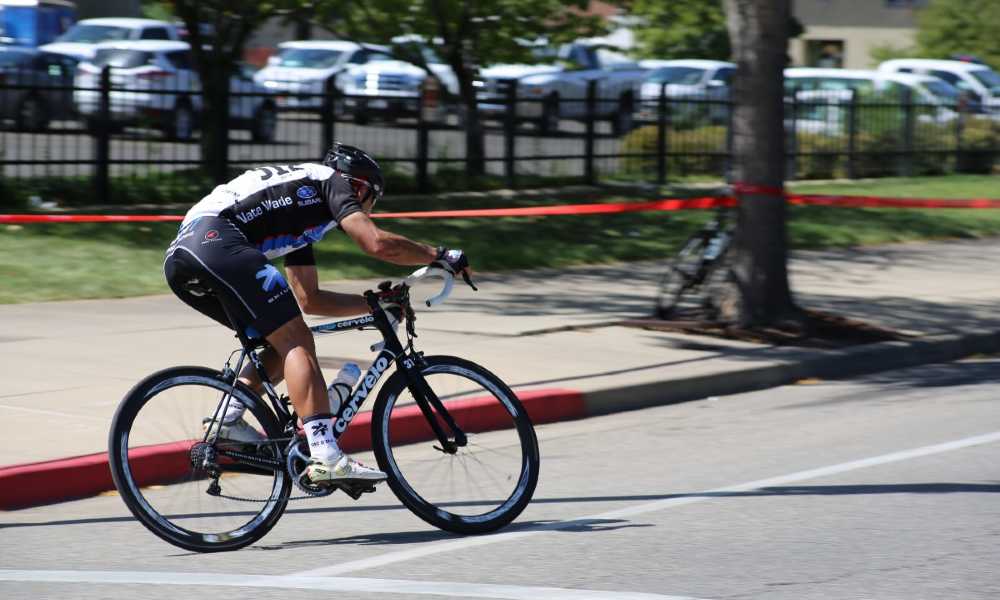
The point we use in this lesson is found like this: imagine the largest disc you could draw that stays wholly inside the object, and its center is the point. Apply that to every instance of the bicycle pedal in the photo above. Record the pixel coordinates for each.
(355, 491)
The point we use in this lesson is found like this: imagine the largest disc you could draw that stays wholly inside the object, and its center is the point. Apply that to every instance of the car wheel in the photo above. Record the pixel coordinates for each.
(265, 125)
(624, 120)
(31, 115)
(180, 123)
(549, 123)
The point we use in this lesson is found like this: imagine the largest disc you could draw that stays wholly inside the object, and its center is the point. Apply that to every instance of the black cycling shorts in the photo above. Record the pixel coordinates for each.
(211, 262)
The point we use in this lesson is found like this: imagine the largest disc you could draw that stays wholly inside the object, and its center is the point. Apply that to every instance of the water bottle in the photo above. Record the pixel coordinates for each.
(342, 385)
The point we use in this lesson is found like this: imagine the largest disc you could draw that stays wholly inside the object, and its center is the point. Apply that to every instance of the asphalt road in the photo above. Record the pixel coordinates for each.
(299, 137)
(876, 488)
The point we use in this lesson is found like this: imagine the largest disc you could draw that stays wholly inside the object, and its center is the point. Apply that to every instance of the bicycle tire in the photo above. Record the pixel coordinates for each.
(152, 475)
(679, 276)
(494, 420)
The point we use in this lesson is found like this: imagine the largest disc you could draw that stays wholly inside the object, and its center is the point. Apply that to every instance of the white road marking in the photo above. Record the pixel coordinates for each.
(472, 542)
(332, 584)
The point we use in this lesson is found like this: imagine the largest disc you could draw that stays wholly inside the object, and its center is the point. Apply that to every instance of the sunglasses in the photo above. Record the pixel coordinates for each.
(373, 193)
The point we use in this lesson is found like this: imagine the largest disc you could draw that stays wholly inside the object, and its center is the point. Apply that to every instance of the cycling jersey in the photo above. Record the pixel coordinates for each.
(281, 208)
(223, 250)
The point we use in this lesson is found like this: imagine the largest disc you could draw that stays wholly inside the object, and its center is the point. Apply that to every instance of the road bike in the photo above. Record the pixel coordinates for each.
(699, 262)
(458, 447)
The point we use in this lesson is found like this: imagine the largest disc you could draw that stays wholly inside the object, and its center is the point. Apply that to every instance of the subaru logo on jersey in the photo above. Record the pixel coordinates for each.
(271, 277)
(306, 192)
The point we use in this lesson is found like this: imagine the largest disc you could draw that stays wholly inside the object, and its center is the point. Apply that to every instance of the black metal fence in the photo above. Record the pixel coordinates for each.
(103, 138)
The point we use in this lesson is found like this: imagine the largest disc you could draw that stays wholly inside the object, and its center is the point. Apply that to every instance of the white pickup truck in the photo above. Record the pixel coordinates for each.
(548, 93)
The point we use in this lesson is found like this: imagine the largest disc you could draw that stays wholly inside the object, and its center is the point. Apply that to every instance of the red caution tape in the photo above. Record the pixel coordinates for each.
(877, 202)
(667, 204)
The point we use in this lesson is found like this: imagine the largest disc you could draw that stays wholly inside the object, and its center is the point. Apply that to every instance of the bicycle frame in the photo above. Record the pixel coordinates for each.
(409, 363)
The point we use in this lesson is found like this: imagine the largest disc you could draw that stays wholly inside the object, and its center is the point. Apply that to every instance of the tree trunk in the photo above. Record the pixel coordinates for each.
(475, 145)
(758, 31)
(215, 120)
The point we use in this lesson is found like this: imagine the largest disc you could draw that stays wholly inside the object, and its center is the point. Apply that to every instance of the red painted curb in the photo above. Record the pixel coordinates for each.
(34, 484)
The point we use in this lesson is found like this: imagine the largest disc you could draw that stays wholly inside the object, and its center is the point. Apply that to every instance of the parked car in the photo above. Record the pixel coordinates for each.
(32, 23)
(687, 79)
(82, 39)
(971, 78)
(559, 90)
(35, 87)
(154, 83)
(390, 88)
(299, 72)
(921, 89)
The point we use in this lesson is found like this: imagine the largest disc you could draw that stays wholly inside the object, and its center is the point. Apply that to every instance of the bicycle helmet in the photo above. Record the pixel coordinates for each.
(355, 164)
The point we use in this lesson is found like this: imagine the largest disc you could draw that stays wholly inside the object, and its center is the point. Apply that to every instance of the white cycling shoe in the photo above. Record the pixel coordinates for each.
(235, 431)
(344, 469)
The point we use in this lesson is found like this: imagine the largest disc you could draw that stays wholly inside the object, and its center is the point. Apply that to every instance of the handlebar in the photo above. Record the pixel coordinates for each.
(423, 273)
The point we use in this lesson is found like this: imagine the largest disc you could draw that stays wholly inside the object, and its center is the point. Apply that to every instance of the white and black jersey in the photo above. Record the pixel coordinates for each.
(281, 208)
(220, 262)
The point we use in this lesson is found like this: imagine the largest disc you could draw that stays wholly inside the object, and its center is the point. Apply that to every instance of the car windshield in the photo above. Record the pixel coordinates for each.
(92, 34)
(989, 78)
(122, 59)
(309, 58)
(681, 75)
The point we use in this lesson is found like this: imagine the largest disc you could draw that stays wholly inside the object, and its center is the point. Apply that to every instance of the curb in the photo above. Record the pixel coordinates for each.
(35, 484)
(72, 478)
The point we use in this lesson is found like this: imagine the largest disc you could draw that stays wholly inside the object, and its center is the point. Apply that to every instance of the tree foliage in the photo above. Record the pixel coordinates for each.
(948, 27)
(466, 35)
(681, 29)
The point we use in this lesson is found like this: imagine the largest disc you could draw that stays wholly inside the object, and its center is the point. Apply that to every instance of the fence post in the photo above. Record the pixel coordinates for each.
(423, 145)
(792, 140)
(588, 165)
(661, 136)
(959, 126)
(102, 139)
(908, 126)
(327, 116)
(509, 133)
(852, 134)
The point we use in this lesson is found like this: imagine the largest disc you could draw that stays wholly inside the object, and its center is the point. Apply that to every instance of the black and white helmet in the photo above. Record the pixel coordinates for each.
(354, 163)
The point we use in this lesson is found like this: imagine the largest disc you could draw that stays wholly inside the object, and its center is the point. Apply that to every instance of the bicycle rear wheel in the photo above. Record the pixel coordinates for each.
(486, 483)
(157, 454)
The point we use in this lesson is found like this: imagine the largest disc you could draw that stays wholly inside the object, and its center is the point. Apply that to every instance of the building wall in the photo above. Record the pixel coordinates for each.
(852, 27)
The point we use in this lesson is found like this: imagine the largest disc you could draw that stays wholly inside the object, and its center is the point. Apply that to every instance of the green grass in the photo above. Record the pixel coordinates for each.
(106, 260)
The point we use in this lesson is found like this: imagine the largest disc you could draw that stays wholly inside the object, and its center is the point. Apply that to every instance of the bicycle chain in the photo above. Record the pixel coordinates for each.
(251, 458)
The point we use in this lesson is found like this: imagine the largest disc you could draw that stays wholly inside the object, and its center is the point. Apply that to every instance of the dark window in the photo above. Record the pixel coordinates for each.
(155, 33)
(180, 60)
(949, 77)
(725, 75)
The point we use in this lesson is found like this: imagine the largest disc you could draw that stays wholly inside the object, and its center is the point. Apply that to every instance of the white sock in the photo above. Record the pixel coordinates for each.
(319, 434)
(233, 412)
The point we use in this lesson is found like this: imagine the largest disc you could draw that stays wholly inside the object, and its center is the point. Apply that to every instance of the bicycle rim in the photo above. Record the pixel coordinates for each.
(483, 485)
(155, 433)
(679, 277)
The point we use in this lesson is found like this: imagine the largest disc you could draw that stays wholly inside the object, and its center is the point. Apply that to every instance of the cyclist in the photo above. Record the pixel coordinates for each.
(223, 253)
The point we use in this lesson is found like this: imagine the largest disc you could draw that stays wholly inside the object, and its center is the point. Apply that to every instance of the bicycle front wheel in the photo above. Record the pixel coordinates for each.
(680, 277)
(158, 461)
(482, 485)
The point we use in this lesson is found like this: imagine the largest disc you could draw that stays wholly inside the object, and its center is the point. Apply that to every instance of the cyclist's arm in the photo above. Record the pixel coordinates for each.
(384, 245)
(304, 281)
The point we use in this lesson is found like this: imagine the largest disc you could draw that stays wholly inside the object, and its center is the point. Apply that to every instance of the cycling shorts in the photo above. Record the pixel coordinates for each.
(211, 263)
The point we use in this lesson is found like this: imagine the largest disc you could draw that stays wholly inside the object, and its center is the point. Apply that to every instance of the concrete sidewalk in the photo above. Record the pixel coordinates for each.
(66, 365)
